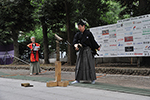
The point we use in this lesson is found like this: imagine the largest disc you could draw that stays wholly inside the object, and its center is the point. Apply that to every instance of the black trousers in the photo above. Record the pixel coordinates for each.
(85, 65)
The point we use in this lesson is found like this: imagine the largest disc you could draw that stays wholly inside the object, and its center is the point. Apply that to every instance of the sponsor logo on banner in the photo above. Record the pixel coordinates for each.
(119, 25)
(134, 18)
(106, 54)
(128, 28)
(106, 45)
(105, 50)
(100, 42)
(147, 47)
(101, 54)
(112, 35)
(105, 27)
(111, 31)
(137, 22)
(99, 36)
(128, 43)
(147, 37)
(129, 49)
(128, 39)
(146, 42)
(136, 28)
(120, 44)
(121, 54)
(113, 54)
(139, 32)
(124, 20)
(130, 33)
(128, 23)
(129, 53)
(146, 53)
(146, 32)
(138, 53)
(113, 40)
(121, 39)
(138, 43)
(107, 36)
(113, 50)
(120, 30)
(120, 34)
(146, 24)
(106, 41)
(112, 45)
(113, 26)
(144, 27)
(146, 20)
(105, 32)
(137, 38)
(138, 48)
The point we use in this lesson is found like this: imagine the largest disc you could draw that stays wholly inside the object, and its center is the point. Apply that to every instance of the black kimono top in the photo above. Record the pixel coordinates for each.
(86, 39)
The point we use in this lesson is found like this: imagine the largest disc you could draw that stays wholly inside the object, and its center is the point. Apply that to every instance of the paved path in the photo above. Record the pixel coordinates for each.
(139, 85)
(10, 89)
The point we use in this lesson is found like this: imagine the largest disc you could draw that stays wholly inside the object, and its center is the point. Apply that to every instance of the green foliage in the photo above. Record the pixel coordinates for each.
(22, 15)
(49, 12)
(112, 16)
(16, 15)
(135, 7)
(25, 39)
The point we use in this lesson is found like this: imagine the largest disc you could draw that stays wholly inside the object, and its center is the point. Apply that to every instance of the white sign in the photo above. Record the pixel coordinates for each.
(129, 37)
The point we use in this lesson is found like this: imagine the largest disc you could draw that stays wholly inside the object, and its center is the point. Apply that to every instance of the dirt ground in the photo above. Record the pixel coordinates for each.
(142, 82)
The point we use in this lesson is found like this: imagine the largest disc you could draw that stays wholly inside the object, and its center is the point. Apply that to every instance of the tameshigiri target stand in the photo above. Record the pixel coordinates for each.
(57, 81)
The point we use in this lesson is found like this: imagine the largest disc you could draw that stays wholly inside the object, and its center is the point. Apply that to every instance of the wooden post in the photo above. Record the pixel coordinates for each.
(57, 71)
(57, 51)
(57, 81)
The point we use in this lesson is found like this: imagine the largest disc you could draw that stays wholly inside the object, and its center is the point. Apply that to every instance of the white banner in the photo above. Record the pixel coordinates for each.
(129, 37)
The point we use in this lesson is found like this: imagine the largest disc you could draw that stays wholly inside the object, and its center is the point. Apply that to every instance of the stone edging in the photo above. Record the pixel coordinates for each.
(123, 71)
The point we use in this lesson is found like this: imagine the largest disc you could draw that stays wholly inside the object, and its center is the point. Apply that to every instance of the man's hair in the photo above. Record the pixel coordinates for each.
(32, 37)
(81, 23)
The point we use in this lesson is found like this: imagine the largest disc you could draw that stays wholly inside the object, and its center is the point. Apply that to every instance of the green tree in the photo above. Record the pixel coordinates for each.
(135, 7)
(16, 18)
(49, 14)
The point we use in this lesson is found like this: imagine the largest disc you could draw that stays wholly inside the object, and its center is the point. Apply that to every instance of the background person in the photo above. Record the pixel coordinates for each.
(34, 56)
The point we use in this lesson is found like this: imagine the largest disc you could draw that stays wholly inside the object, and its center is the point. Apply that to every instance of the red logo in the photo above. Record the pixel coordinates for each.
(138, 53)
(128, 39)
(129, 43)
(113, 45)
(120, 39)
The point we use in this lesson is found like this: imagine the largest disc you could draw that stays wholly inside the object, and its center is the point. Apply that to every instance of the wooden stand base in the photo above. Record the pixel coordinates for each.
(61, 84)
(57, 81)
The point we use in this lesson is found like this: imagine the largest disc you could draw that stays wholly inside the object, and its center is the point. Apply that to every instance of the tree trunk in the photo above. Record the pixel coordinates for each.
(70, 51)
(45, 41)
(68, 33)
(16, 45)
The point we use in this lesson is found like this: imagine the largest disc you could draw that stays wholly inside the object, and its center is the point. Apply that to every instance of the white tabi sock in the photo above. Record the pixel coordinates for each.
(74, 82)
(93, 82)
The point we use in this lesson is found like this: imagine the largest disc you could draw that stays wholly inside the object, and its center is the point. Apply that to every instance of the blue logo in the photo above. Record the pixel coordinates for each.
(130, 33)
(106, 54)
(128, 28)
(120, 44)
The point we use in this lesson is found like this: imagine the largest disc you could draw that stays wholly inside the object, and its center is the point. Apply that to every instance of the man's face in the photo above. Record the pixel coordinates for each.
(81, 28)
(33, 40)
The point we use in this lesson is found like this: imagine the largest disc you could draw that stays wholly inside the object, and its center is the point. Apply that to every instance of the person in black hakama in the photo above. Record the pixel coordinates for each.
(85, 44)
